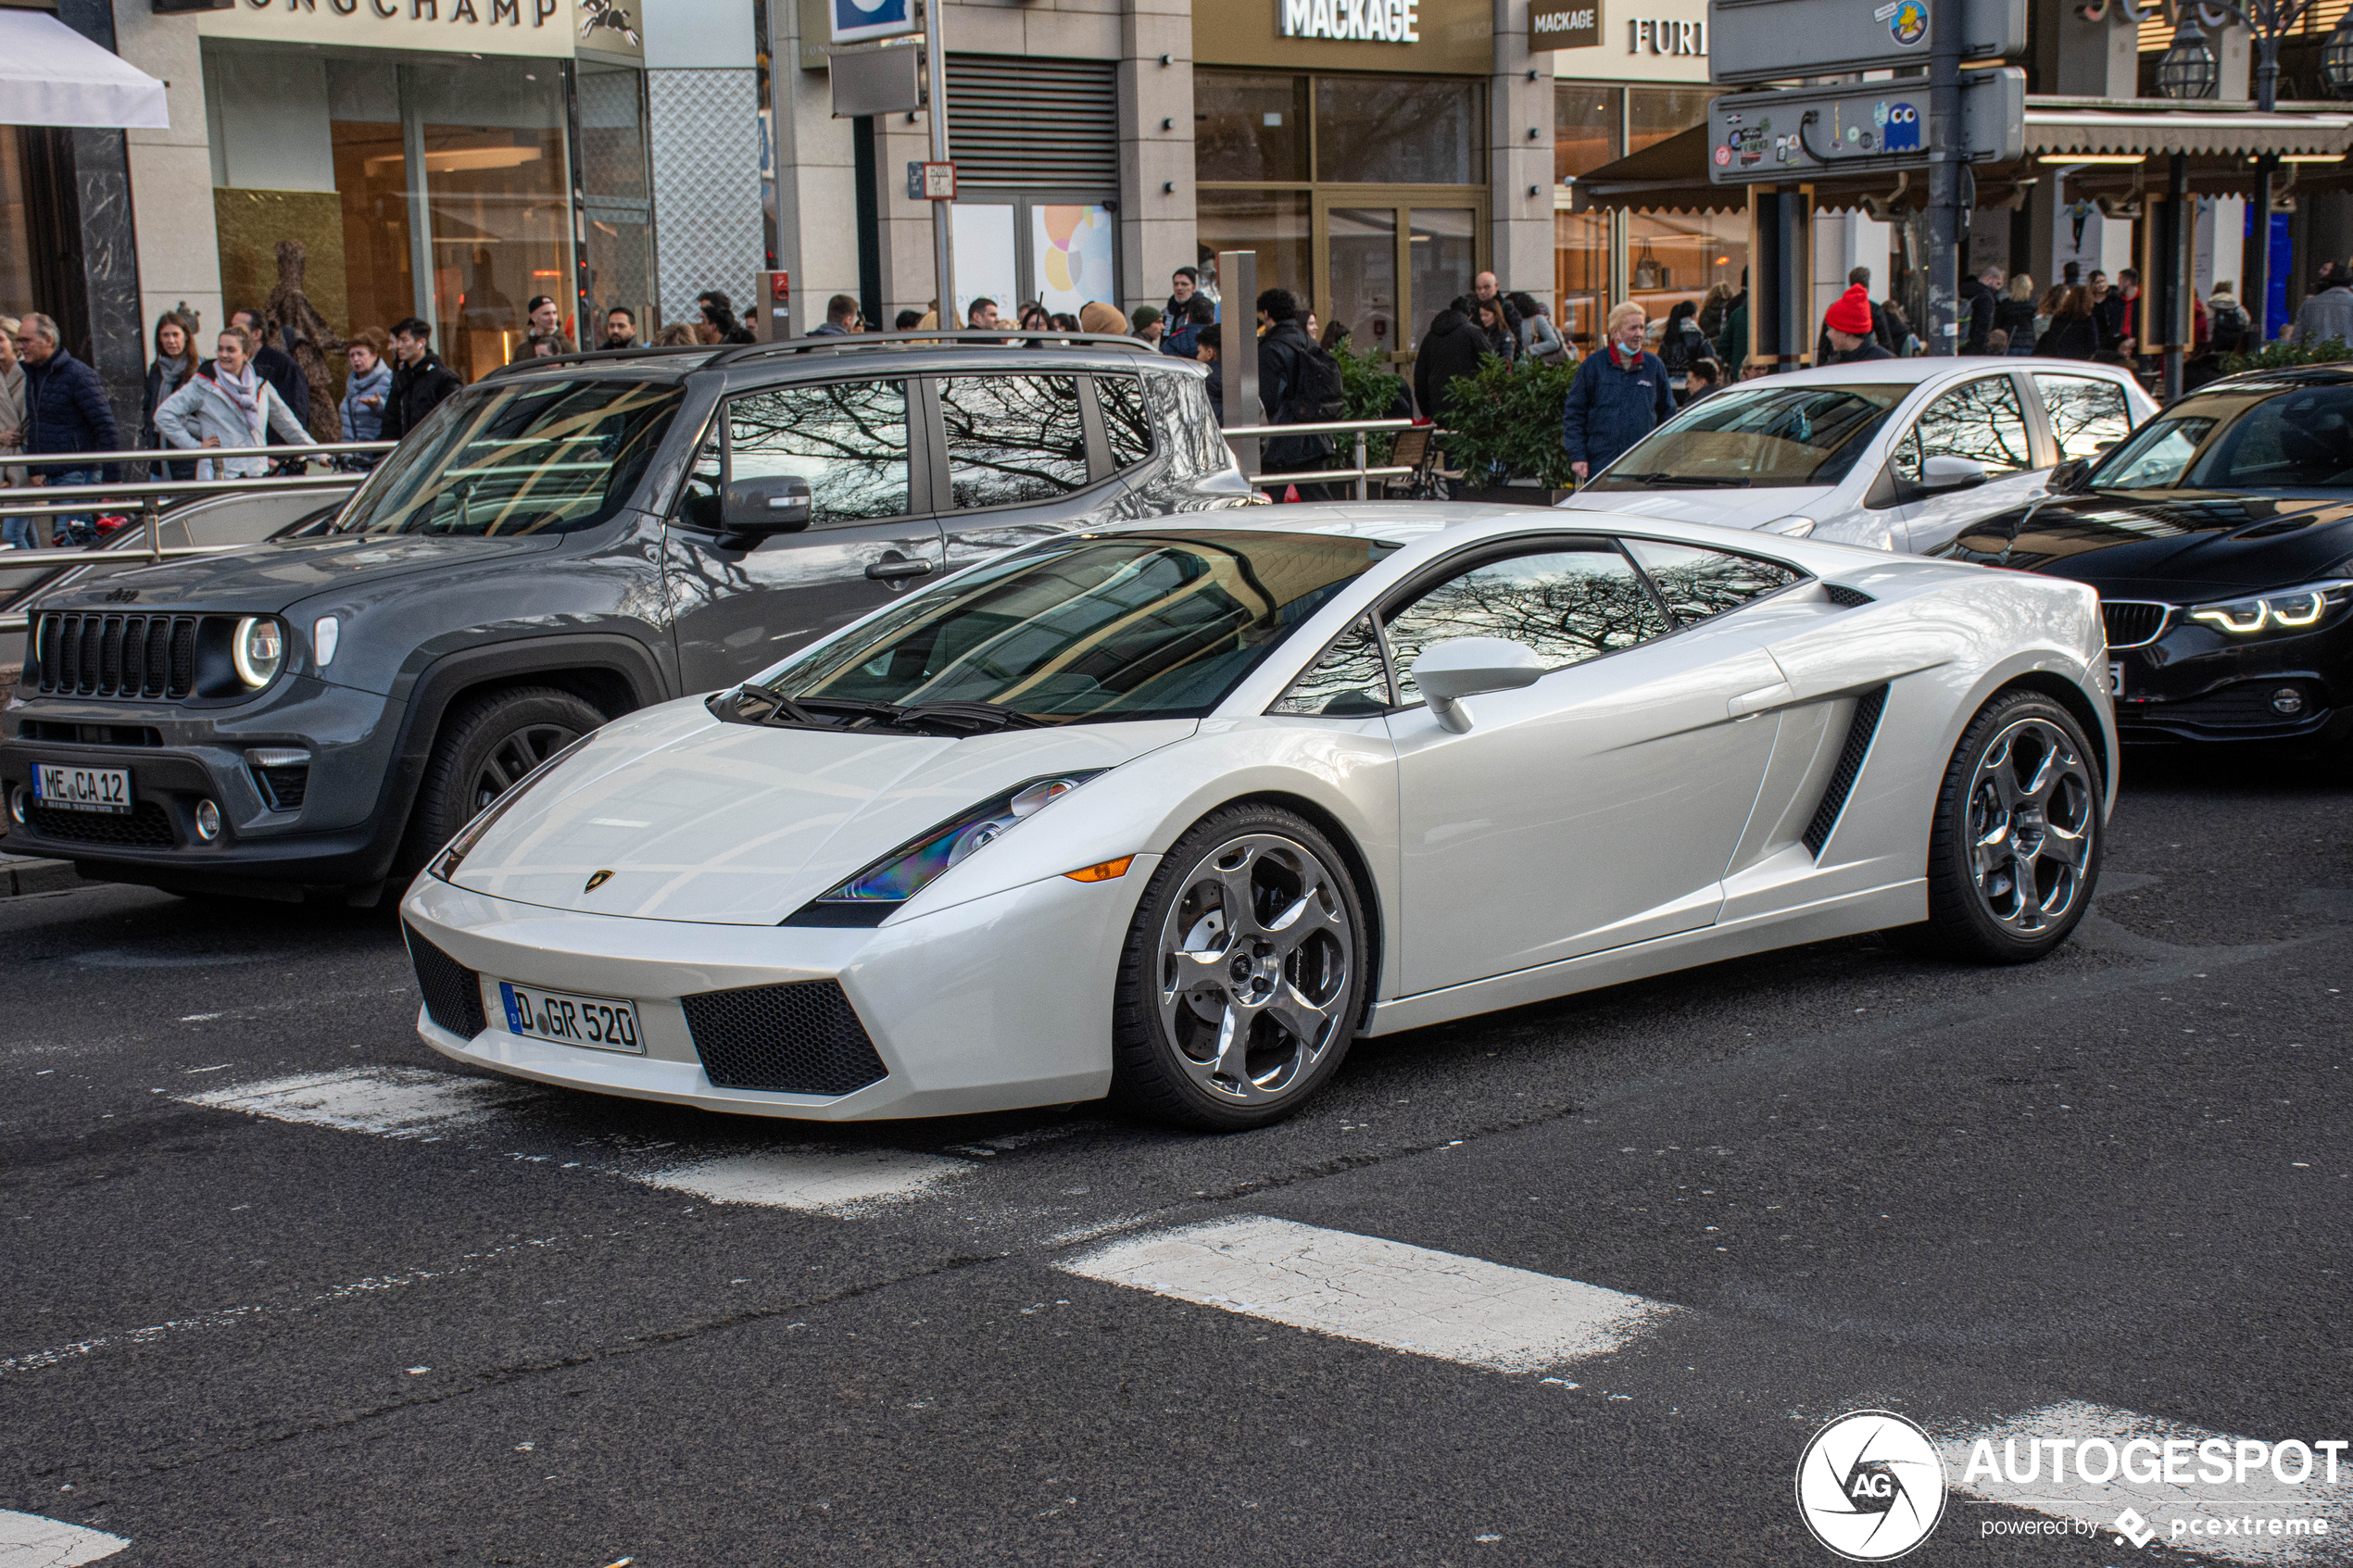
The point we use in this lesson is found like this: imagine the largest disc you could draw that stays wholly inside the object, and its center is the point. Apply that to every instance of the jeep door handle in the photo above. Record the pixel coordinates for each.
(885, 570)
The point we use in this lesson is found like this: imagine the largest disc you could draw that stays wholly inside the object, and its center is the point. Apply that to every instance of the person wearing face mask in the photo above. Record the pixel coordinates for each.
(1621, 395)
(227, 403)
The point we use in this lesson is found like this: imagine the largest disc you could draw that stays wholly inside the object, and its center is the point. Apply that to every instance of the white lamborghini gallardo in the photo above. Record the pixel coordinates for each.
(1175, 811)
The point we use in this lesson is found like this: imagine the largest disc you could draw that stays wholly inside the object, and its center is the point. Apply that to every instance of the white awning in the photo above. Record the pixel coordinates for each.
(51, 75)
(2055, 130)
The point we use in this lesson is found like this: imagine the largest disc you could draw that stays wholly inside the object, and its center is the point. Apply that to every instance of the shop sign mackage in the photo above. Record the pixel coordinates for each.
(1376, 21)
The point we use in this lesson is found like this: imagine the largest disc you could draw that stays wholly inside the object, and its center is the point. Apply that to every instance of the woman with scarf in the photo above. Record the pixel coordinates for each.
(364, 396)
(175, 362)
(226, 404)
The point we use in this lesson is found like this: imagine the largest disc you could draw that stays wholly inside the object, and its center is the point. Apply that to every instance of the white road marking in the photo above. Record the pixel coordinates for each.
(2261, 1498)
(26, 1541)
(391, 1102)
(1380, 1292)
(413, 1102)
(850, 1181)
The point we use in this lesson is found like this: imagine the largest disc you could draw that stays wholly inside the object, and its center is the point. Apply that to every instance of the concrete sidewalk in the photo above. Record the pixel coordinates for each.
(24, 874)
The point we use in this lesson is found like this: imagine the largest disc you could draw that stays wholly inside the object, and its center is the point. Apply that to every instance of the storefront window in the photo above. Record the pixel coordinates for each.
(1588, 129)
(1403, 130)
(617, 195)
(16, 225)
(1653, 114)
(371, 180)
(1679, 256)
(1364, 291)
(1250, 126)
(499, 194)
(1445, 251)
(1272, 223)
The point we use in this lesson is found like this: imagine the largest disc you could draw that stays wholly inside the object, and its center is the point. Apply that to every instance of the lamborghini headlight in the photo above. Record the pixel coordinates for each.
(2290, 610)
(914, 866)
(446, 865)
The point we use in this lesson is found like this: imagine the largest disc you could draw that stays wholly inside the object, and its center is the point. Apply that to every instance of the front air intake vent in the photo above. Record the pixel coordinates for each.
(453, 992)
(1859, 730)
(98, 654)
(1845, 597)
(798, 1038)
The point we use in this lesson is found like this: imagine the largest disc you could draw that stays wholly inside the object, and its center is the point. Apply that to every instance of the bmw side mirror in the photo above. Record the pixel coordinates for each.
(778, 502)
(1464, 666)
(1952, 473)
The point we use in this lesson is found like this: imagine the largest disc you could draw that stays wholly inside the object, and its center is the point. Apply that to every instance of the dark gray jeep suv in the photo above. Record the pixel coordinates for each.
(557, 545)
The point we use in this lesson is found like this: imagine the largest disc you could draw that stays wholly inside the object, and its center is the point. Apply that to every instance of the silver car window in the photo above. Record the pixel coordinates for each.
(1981, 419)
(2087, 413)
(1568, 602)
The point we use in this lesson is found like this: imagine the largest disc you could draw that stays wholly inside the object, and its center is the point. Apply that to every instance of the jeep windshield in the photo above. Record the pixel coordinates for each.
(520, 457)
(1118, 626)
(1760, 437)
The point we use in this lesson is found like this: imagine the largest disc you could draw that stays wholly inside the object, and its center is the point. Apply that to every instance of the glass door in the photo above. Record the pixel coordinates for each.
(1388, 261)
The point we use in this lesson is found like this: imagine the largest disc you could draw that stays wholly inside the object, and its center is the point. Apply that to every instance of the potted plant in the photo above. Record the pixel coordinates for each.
(1504, 424)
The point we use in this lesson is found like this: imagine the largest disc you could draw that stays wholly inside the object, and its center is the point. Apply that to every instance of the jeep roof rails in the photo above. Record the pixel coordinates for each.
(843, 343)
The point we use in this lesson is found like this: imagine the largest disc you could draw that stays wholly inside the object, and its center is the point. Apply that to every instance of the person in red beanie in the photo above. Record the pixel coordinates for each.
(1848, 321)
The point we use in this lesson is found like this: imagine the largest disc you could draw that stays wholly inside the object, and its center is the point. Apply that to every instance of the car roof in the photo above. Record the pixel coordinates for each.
(1911, 373)
(821, 356)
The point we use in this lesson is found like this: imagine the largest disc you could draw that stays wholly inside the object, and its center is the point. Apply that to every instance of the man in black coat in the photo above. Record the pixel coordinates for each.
(1284, 388)
(420, 381)
(1979, 296)
(277, 366)
(1450, 351)
(65, 410)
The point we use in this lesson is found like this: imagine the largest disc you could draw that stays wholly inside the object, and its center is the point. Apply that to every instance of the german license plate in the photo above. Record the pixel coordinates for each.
(2116, 680)
(602, 1023)
(82, 789)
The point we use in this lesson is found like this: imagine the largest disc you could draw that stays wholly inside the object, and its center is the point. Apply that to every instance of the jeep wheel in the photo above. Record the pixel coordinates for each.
(485, 746)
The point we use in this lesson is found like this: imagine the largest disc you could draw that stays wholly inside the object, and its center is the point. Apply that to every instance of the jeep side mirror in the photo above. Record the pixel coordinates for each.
(1951, 473)
(1462, 666)
(776, 503)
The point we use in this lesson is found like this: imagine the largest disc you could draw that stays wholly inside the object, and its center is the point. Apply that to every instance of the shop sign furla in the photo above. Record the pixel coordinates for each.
(1376, 21)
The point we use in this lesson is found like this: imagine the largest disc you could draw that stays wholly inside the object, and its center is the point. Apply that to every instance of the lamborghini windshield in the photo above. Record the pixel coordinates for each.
(1122, 626)
(520, 457)
(1760, 437)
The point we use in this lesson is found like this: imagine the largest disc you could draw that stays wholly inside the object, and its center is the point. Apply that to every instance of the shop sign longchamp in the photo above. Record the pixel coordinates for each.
(1376, 21)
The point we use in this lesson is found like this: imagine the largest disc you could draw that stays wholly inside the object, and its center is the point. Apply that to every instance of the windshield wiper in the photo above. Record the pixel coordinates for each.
(1661, 479)
(979, 715)
(861, 713)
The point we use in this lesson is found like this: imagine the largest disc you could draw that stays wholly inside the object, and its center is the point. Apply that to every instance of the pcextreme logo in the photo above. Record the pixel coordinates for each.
(1870, 1486)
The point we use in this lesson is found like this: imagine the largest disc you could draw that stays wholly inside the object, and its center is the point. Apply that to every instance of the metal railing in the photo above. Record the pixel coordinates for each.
(1361, 473)
(149, 496)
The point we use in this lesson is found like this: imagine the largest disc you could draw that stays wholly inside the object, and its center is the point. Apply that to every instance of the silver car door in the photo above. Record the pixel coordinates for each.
(1984, 419)
(1594, 809)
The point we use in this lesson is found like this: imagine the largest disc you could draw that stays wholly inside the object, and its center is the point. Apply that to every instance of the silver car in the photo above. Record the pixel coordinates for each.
(1895, 454)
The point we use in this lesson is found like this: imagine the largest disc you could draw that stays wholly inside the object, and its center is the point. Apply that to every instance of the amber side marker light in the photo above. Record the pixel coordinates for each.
(1102, 871)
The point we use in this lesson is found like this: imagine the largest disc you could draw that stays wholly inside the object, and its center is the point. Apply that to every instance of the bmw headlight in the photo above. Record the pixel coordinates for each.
(446, 865)
(2290, 610)
(258, 650)
(865, 898)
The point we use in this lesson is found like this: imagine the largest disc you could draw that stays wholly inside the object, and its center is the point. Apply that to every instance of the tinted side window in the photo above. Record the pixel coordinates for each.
(2086, 414)
(1569, 603)
(1012, 438)
(1982, 419)
(1350, 677)
(1127, 426)
(849, 439)
(1697, 584)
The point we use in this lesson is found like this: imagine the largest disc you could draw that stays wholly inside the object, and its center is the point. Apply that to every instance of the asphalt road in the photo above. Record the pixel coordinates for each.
(284, 1287)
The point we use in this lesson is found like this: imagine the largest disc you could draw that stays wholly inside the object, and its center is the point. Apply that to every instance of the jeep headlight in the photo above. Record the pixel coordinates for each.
(2290, 610)
(865, 898)
(258, 650)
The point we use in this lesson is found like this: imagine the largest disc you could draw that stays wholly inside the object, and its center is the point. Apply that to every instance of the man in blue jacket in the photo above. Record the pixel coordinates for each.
(1618, 396)
(65, 410)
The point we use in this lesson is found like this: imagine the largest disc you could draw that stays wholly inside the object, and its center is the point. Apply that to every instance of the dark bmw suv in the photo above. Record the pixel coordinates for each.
(560, 544)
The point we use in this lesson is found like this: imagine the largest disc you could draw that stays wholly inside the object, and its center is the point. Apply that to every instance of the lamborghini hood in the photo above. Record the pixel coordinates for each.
(736, 825)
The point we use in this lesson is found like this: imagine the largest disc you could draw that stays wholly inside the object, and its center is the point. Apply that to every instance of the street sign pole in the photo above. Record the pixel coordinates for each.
(943, 234)
(1947, 220)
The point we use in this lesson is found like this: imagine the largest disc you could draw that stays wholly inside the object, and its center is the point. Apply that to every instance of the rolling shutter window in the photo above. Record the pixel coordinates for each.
(1034, 124)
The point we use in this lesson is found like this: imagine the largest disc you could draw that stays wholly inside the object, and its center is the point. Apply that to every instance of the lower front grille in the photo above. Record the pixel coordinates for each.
(800, 1038)
(284, 786)
(453, 992)
(2248, 705)
(146, 826)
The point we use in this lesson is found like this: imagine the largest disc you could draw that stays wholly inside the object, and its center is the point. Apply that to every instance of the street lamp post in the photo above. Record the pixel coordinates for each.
(943, 233)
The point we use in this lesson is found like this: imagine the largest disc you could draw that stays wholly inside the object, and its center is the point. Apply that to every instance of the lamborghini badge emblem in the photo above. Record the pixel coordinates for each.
(596, 881)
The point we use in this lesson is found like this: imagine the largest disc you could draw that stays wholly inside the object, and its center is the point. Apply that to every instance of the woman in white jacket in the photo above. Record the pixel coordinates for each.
(226, 404)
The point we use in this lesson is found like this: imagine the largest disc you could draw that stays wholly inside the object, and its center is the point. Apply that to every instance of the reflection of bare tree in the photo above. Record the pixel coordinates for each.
(1570, 607)
(2085, 414)
(1982, 419)
(1350, 679)
(1125, 427)
(1394, 129)
(849, 439)
(1703, 583)
(1012, 438)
